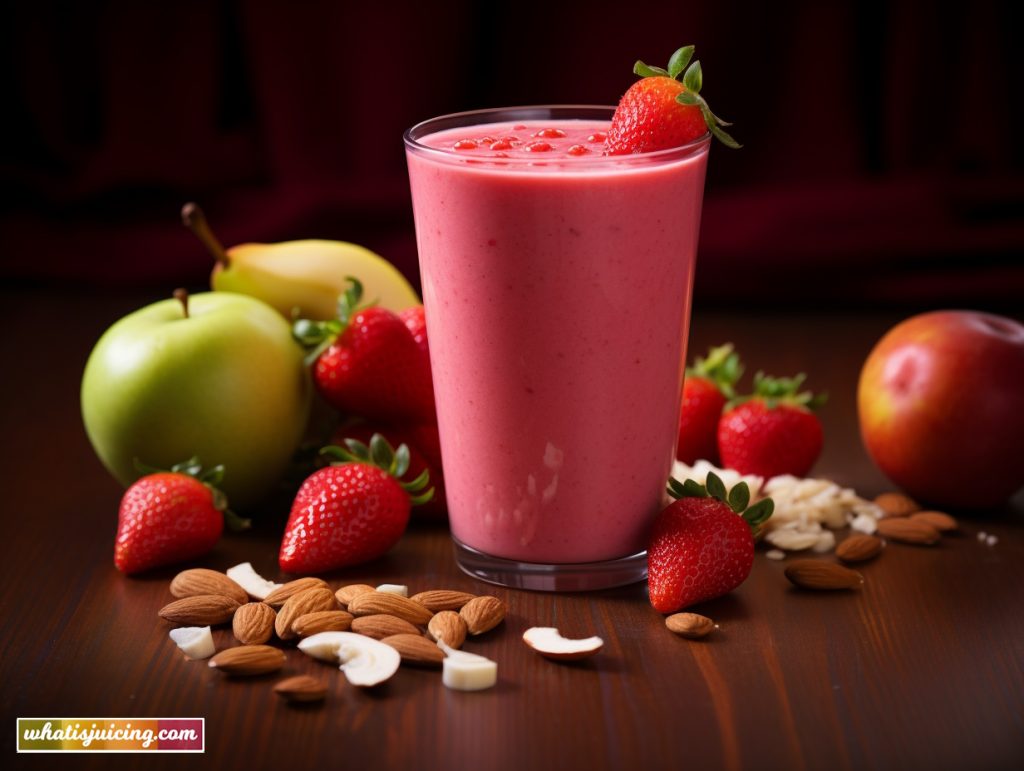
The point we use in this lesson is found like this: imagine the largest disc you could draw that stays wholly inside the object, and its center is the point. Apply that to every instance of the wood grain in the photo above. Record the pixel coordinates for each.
(922, 668)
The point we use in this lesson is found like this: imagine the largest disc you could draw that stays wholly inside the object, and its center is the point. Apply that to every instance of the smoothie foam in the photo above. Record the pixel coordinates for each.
(557, 290)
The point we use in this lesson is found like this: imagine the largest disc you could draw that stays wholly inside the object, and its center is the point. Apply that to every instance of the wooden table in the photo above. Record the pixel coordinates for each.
(920, 669)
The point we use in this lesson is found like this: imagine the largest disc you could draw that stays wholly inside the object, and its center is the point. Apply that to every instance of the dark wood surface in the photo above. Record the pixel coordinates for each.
(920, 669)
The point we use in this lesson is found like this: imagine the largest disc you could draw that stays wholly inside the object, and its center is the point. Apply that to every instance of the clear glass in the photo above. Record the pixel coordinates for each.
(557, 295)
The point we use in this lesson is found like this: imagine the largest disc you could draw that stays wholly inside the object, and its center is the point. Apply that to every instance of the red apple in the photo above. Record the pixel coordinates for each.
(941, 405)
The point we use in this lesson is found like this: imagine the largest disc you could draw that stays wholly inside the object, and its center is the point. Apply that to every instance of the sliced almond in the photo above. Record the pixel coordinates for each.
(690, 625)
(298, 605)
(381, 625)
(190, 583)
(253, 623)
(940, 520)
(859, 548)
(196, 642)
(821, 575)
(201, 610)
(415, 649)
(463, 671)
(280, 596)
(897, 504)
(369, 603)
(301, 689)
(547, 641)
(365, 661)
(322, 621)
(437, 600)
(346, 593)
(907, 530)
(482, 614)
(249, 660)
(255, 585)
(448, 627)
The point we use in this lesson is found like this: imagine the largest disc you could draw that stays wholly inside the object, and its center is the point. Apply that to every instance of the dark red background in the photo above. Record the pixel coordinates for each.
(882, 159)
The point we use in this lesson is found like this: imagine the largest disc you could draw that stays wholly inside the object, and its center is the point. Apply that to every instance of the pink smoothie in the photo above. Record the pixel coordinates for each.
(557, 290)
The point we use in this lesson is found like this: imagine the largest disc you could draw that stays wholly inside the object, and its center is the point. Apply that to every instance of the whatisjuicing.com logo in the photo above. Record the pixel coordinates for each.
(105, 734)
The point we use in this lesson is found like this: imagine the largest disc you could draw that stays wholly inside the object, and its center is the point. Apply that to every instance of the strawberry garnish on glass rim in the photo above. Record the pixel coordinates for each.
(660, 112)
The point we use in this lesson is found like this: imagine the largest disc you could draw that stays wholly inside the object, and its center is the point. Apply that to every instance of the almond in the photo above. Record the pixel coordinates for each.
(190, 583)
(415, 649)
(249, 660)
(201, 610)
(346, 593)
(859, 548)
(380, 625)
(896, 504)
(818, 574)
(369, 603)
(298, 605)
(940, 520)
(914, 531)
(449, 627)
(322, 621)
(301, 689)
(437, 600)
(282, 594)
(253, 623)
(690, 625)
(482, 614)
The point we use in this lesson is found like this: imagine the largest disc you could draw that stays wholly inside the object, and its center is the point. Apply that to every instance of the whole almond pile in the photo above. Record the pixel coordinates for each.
(421, 628)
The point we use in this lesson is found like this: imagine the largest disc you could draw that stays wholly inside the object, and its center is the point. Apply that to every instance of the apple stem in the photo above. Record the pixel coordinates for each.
(181, 295)
(194, 219)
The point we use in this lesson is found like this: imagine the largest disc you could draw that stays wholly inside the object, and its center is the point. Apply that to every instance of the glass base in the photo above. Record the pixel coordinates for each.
(535, 576)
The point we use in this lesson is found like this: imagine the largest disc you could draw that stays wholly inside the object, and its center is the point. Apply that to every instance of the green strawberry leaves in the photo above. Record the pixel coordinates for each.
(722, 366)
(381, 454)
(774, 391)
(736, 499)
(693, 80)
(320, 335)
(679, 60)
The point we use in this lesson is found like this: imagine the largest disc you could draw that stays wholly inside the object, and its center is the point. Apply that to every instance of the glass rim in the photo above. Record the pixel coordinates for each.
(536, 112)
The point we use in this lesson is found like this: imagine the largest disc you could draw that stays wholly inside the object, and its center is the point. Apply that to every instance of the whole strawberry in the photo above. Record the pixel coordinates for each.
(708, 386)
(773, 431)
(659, 112)
(353, 511)
(171, 516)
(424, 455)
(367, 362)
(702, 546)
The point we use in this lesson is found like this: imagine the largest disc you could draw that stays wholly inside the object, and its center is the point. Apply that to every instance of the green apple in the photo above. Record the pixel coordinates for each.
(216, 375)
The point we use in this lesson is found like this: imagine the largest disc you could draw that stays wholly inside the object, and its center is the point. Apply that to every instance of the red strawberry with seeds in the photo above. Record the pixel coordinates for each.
(708, 386)
(773, 431)
(424, 455)
(171, 516)
(702, 546)
(367, 362)
(659, 112)
(353, 511)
